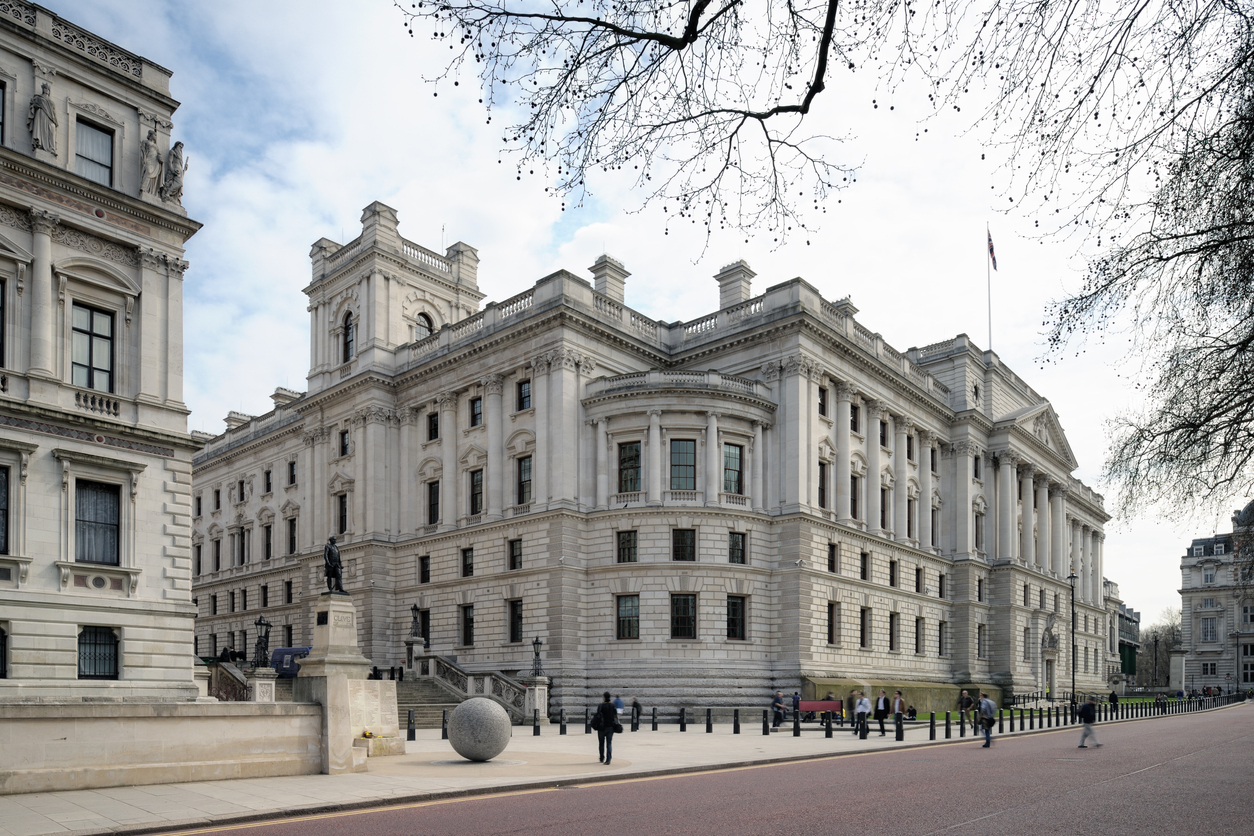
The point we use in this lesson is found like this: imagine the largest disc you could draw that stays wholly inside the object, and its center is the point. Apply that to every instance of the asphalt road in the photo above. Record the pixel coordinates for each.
(1185, 774)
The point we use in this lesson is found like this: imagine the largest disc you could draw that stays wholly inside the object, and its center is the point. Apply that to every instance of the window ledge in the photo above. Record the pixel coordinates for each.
(127, 576)
(22, 564)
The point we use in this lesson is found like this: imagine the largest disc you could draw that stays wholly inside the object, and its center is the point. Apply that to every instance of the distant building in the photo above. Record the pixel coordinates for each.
(768, 494)
(95, 458)
(1129, 632)
(1217, 608)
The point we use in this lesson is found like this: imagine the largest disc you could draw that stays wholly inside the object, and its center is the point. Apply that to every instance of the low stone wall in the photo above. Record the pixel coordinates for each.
(924, 696)
(51, 746)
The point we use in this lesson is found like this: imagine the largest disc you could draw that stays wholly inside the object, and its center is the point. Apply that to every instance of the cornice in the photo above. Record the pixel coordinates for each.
(696, 394)
(249, 447)
(397, 261)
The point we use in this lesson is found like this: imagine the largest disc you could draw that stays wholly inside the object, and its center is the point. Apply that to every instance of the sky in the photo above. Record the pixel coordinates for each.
(297, 115)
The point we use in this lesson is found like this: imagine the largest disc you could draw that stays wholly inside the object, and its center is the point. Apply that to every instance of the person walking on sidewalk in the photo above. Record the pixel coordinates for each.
(863, 710)
(881, 709)
(1088, 716)
(777, 708)
(606, 728)
(899, 709)
(987, 712)
(967, 706)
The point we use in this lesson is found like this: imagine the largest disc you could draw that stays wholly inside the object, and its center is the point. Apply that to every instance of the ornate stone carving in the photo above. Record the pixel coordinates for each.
(106, 53)
(172, 188)
(151, 166)
(904, 425)
(564, 358)
(1007, 457)
(41, 120)
(493, 384)
(654, 412)
(540, 363)
(446, 400)
(95, 110)
(927, 438)
(845, 390)
(20, 12)
(875, 411)
(315, 435)
(1026, 469)
(156, 120)
(770, 371)
(98, 247)
(14, 218)
(43, 222)
(587, 365)
(374, 415)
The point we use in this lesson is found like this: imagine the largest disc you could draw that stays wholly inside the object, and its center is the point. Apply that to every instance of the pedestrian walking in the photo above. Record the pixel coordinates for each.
(796, 703)
(1114, 698)
(988, 713)
(618, 704)
(863, 710)
(881, 709)
(1088, 715)
(777, 709)
(899, 708)
(605, 721)
(967, 706)
(636, 710)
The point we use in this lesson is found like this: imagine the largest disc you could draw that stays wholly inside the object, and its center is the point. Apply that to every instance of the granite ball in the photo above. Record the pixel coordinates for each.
(479, 729)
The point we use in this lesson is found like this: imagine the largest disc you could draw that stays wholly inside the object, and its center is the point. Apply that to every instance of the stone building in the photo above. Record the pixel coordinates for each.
(1217, 608)
(767, 496)
(95, 458)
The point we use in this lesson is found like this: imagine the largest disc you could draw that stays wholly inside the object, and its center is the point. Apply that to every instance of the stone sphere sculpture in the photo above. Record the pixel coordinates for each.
(479, 729)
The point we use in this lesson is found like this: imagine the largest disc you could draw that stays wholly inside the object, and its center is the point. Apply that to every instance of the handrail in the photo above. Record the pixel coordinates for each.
(465, 684)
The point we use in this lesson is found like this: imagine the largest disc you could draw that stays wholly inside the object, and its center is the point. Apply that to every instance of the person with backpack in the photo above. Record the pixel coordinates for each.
(987, 712)
(605, 721)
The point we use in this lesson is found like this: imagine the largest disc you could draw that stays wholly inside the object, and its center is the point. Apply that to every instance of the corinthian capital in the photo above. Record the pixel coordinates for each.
(42, 222)
(493, 384)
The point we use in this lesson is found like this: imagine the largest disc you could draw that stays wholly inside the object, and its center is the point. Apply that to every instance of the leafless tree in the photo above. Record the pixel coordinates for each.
(1167, 631)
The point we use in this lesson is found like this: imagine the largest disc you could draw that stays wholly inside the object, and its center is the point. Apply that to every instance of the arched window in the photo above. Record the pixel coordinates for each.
(422, 326)
(349, 348)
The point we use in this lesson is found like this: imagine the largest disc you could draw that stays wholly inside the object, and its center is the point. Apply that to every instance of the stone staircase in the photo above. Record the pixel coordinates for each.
(427, 699)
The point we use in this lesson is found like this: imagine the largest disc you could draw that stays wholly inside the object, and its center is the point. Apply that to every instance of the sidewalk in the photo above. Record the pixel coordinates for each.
(430, 769)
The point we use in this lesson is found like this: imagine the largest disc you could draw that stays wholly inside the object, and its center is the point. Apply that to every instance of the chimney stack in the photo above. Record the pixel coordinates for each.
(733, 284)
(609, 275)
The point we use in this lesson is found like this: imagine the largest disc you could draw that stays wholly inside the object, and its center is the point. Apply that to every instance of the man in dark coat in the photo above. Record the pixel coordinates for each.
(882, 708)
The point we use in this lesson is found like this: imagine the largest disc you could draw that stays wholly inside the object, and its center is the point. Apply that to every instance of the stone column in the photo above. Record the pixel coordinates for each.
(314, 489)
(757, 456)
(603, 475)
(654, 472)
(1058, 524)
(1095, 582)
(926, 440)
(795, 455)
(901, 478)
(1042, 524)
(713, 460)
(874, 414)
(370, 465)
(564, 426)
(448, 461)
(41, 307)
(1005, 506)
(1086, 573)
(1027, 543)
(174, 331)
(540, 461)
(152, 318)
(406, 524)
(840, 430)
(1073, 564)
(496, 478)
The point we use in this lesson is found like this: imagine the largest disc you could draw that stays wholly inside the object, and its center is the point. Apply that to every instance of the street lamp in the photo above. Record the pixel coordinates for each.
(262, 651)
(1072, 579)
(535, 663)
(1155, 658)
(413, 629)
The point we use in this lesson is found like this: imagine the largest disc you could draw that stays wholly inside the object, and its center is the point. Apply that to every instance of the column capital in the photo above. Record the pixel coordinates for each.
(714, 415)
(446, 400)
(875, 409)
(927, 438)
(493, 384)
(1026, 469)
(1041, 480)
(42, 221)
(844, 390)
(904, 424)
(654, 413)
(540, 363)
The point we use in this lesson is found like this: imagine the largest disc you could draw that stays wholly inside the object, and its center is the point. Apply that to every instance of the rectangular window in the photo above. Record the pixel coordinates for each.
(1209, 632)
(197, 551)
(976, 465)
(476, 492)
(289, 597)
(683, 465)
(515, 621)
(97, 519)
(629, 467)
(1219, 548)
(433, 503)
(1208, 574)
(932, 456)
(911, 505)
(268, 536)
(735, 547)
(343, 442)
(918, 579)
(1027, 592)
(854, 418)
(909, 448)
(979, 532)
(287, 636)
(980, 647)
(424, 569)
(291, 473)
(217, 555)
(853, 498)
(979, 589)
(523, 400)
(476, 412)
(197, 505)
(524, 481)
(1041, 599)
(940, 587)
(833, 564)
(628, 617)
(342, 501)
(93, 153)
(823, 401)
(883, 433)
(864, 627)
(884, 508)
(267, 479)
(468, 564)
(1209, 668)
(97, 653)
(217, 499)
(213, 604)
(91, 365)
(919, 634)
(265, 596)
(291, 535)
(4, 507)
(864, 567)
(231, 598)
(243, 600)
(733, 469)
(626, 547)
(515, 555)
(833, 622)
(433, 426)
(822, 484)
(683, 616)
(3, 91)
(736, 617)
(892, 573)
(684, 544)
(894, 622)
(942, 639)
(468, 625)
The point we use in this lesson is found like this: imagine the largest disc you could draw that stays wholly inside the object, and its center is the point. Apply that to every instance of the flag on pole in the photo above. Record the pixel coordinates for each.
(992, 254)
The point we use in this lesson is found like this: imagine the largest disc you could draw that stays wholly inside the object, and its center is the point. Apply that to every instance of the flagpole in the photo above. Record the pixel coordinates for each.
(988, 271)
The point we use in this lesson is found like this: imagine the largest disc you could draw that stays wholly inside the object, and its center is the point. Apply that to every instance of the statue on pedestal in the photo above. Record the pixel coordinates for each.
(42, 121)
(334, 568)
(150, 165)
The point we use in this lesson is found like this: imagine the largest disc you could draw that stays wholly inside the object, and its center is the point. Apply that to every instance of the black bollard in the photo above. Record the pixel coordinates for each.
(736, 721)
(827, 724)
(766, 722)
(709, 722)
(1048, 719)
(1031, 719)
(796, 723)
(411, 733)
(683, 719)
(962, 723)
(947, 732)
(901, 727)
(1020, 719)
(444, 725)
(562, 729)
(931, 727)
(654, 718)
(866, 727)
(535, 722)
(635, 718)
(587, 721)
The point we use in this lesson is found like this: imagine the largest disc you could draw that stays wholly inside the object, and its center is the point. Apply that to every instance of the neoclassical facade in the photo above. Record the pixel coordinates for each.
(1217, 608)
(95, 458)
(704, 509)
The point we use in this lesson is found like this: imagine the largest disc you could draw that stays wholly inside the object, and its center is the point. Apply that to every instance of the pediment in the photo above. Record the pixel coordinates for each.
(97, 272)
(290, 508)
(1040, 423)
(474, 456)
(8, 249)
(340, 483)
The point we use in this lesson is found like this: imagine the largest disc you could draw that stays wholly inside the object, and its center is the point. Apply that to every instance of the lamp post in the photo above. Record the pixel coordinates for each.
(413, 628)
(1155, 658)
(262, 650)
(1072, 579)
(535, 663)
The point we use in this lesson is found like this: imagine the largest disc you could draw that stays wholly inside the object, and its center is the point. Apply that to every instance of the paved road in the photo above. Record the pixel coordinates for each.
(1186, 774)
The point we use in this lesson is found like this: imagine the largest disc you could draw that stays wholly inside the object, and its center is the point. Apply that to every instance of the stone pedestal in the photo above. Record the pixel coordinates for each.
(537, 697)
(324, 678)
(261, 684)
(200, 673)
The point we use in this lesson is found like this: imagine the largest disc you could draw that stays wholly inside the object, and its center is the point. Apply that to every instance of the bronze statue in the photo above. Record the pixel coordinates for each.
(334, 568)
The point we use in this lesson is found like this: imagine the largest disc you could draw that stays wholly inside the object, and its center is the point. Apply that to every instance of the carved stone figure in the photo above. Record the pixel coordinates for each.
(334, 568)
(150, 163)
(172, 189)
(42, 121)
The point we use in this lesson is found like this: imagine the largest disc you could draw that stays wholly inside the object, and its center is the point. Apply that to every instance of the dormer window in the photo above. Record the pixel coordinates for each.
(349, 341)
(1198, 551)
(1219, 548)
(93, 153)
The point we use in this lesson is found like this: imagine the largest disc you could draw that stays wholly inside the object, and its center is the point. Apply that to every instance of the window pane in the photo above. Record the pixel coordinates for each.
(82, 318)
(101, 355)
(628, 617)
(81, 351)
(102, 324)
(683, 616)
(94, 144)
(97, 514)
(629, 467)
(683, 465)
